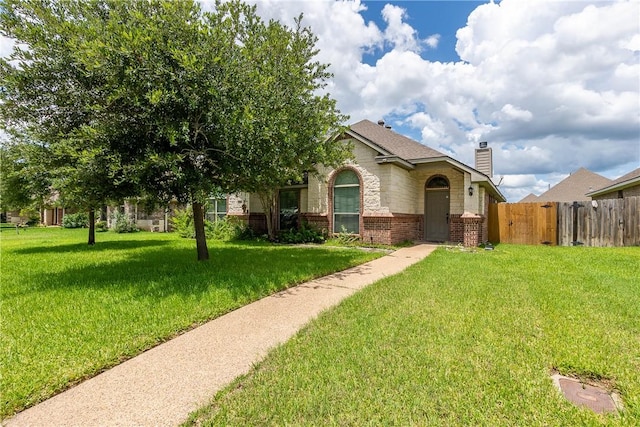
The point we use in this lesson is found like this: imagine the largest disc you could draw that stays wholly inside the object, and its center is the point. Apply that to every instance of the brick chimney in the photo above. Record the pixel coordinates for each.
(484, 159)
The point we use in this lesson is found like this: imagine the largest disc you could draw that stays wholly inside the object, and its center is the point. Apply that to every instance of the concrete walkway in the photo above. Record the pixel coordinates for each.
(162, 386)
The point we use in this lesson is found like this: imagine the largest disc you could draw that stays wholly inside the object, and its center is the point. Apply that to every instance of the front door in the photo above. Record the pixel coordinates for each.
(436, 210)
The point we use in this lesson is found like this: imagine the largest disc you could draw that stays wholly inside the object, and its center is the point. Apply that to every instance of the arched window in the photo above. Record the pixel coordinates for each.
(346, 203)
(438, 182)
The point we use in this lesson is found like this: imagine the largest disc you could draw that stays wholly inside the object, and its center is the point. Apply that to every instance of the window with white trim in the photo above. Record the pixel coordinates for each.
(216, 209)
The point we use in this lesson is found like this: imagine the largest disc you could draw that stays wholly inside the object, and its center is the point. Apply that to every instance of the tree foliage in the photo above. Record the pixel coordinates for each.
(161, 99)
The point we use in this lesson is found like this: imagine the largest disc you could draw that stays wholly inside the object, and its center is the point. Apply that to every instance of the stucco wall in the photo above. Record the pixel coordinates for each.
(401, 188)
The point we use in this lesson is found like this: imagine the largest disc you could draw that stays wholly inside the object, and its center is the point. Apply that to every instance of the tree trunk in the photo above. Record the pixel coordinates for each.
(201, 238)
(270, 206)
(92, 227)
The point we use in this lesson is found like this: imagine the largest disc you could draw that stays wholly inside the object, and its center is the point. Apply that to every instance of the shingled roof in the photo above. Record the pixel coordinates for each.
(392, 143)
(627, 180)
(574, 187)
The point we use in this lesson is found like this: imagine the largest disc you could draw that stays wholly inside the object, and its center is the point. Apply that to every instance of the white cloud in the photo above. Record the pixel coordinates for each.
(432, 41)
(553, 86)
(398, 33)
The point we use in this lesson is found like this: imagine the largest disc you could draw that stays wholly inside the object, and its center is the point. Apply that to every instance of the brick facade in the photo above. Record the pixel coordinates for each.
(472, 229)
(317, 220)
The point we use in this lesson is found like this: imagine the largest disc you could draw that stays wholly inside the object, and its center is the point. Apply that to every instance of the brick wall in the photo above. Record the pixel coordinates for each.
(392, 229)
(318, 220)
(456, 228)
(472, 229)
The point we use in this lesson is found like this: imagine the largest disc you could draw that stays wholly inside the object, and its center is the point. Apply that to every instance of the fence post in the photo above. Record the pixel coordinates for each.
(575, 207)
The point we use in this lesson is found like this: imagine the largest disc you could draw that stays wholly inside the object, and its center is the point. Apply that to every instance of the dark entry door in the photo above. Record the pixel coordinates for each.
(436, 213)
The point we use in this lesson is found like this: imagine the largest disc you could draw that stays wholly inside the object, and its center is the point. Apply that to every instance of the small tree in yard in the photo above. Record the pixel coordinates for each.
(161, 99)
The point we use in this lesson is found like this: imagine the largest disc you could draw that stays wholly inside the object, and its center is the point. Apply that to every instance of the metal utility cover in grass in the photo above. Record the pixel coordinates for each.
(598, 399)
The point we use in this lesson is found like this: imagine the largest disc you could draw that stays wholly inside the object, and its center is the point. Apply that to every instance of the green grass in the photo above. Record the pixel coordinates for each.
(68, 311)
(458, 339)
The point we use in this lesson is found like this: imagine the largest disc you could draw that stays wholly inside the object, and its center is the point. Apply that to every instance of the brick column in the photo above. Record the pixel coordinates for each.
(472, 229)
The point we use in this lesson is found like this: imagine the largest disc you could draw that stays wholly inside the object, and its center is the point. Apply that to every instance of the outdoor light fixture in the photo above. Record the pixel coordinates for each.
(471, 190)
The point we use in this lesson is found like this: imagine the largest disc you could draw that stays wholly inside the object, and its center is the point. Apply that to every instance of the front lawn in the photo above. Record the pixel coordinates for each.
(69, 311)
(458, 339)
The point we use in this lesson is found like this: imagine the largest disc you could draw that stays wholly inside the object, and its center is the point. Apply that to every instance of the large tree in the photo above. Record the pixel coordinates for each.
(184, 102)
(290, 127)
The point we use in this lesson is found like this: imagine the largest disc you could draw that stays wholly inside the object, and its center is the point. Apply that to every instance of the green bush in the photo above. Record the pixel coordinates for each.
(306, 233)
(76, 220)
(182, 222)
(31, 215)
(228, 228)
(344, 238)
(101, 226)
(120, 223)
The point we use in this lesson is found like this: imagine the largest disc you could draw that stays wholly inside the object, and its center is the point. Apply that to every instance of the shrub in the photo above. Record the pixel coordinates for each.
(101, 226)
(76, 220)
(182, 222)
(120, 223)
(32, 217)
(346, 238)
(228, 228)
(306, 233)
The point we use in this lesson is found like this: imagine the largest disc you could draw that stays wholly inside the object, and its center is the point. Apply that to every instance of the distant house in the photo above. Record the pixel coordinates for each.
(395, 189)
(626, 186)
(530, 198)
(573, 188)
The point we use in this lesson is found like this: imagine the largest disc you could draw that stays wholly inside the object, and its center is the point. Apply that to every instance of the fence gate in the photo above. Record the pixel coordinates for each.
(524, 223)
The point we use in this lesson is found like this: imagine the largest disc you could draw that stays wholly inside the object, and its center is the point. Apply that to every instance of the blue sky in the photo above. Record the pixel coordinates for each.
(428, 17)
(553, 86)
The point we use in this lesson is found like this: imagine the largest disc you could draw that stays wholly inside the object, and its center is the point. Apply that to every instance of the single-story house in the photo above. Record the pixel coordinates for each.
(627, 185)
(394, 190)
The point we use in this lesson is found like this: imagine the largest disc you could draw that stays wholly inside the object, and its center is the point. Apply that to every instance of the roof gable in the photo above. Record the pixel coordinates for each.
(395, 149)
(630, 179)
(574, 187)
(389, 142)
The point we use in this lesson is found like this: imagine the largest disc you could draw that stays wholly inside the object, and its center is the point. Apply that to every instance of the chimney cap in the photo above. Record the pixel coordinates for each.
(381, 122)
(483, 144)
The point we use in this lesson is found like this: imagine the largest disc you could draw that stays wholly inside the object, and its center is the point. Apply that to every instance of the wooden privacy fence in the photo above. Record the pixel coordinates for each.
(613, 222)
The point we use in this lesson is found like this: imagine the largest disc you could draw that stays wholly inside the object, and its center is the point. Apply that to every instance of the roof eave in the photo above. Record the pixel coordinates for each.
(615, 187)
(394, 160)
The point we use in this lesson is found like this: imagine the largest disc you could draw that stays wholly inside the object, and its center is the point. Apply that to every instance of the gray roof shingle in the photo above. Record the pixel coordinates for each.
(392, 142)
(575, 187)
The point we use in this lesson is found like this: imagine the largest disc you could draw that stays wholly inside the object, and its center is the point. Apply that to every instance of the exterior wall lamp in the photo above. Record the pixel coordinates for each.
(471, 190)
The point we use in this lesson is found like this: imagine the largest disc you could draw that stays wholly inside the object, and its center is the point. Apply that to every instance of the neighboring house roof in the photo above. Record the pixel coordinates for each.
(625, 181)
(575, 187)
(406, 153)
(530, 198)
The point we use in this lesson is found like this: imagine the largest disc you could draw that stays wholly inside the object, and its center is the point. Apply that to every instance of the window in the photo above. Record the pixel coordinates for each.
(346, 203)
(216, 209)
(289, 209)
(438, 182)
